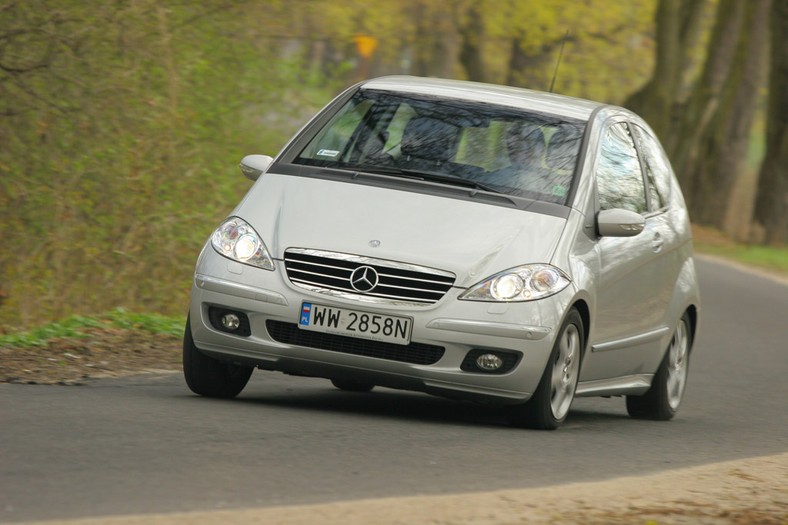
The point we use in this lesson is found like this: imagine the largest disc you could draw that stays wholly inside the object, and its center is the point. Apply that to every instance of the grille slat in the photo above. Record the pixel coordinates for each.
(414, 353)
(331, 272)
(401, 278)
(342, 284)
(313, 264)
(294, 274)
(409, 288)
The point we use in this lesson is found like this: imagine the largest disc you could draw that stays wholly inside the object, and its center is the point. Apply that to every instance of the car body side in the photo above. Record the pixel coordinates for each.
(626, 340)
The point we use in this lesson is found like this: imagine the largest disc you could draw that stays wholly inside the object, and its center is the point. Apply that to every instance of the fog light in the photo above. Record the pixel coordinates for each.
(489, 362)
(230, 321)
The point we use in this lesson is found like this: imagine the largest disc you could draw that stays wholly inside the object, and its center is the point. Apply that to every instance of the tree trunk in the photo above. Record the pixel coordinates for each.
(771, 203)
(684, 146)
(431, 49)
(471, 37)
(518, 63)
(654, 101)
(678, 27)
(725, 145)
(530, 70)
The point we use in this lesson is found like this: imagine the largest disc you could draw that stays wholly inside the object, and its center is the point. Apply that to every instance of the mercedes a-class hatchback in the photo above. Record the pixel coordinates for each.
(466, 240)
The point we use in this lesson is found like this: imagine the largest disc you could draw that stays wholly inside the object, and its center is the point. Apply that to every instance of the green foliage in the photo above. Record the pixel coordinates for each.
(80, 326)
(121, 128)
(73, 326)
(153, 323)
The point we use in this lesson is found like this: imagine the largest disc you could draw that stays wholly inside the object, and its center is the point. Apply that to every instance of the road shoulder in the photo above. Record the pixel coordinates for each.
(731, 493)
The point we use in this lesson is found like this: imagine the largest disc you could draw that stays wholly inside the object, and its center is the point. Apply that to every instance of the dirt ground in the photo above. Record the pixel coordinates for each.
(104, 353)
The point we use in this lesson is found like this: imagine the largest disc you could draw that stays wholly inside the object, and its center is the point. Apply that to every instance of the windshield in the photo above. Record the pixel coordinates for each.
(495, 148)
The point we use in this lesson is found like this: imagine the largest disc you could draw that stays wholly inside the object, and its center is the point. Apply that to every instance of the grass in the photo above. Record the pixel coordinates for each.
(81, 326)
(769, 258)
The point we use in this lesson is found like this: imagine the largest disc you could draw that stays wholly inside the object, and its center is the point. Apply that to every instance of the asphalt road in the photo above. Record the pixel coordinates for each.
(146, 444)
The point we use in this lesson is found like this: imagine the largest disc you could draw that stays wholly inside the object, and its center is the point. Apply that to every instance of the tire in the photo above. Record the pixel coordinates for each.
(548, 407)
(662, 400)
(349, 385)
(211, 377)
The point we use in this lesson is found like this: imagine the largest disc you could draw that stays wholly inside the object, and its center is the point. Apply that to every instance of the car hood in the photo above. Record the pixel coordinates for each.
(471, 239)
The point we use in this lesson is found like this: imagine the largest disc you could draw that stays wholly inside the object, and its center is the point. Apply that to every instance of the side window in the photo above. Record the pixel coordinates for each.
(657, 166)
(618, 176)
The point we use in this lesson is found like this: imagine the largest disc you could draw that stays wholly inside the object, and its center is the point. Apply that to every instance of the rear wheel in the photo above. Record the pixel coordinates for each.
(549, 405)
(211, 377)
(352, 386)
(662, 400)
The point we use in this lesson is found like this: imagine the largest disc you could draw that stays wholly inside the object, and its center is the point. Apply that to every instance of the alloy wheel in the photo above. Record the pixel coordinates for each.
(565, 372)
(677, 365)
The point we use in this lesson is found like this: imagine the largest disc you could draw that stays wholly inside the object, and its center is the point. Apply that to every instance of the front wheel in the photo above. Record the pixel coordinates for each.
(662, 400)
(549, 405)
(211, 377)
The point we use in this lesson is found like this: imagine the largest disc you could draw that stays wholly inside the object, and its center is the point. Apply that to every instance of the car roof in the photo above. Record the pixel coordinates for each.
(515, 97)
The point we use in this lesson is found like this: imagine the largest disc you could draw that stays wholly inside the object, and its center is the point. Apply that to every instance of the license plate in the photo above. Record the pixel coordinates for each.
(355, 323)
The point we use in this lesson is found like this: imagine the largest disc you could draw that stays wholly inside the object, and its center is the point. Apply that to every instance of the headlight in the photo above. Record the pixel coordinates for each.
(524, 283)
(238, 241)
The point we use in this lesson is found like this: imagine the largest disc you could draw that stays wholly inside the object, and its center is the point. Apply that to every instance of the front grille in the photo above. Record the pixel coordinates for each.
(415, 353)
(330, 273)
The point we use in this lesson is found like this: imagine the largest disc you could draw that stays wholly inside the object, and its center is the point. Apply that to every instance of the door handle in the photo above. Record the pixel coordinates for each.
(657, 243)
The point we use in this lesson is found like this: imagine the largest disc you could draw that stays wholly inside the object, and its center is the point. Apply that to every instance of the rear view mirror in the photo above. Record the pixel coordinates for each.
(619, 223)
(252, 166)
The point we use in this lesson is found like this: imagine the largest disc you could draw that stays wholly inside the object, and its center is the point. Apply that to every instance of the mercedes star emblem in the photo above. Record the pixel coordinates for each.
(364, 279)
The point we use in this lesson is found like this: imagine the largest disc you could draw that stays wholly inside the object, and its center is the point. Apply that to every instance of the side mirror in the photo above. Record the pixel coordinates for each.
(619, 223)
(252, 166)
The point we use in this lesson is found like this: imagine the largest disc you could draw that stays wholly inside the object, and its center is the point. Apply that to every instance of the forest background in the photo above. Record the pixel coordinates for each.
(122, 121)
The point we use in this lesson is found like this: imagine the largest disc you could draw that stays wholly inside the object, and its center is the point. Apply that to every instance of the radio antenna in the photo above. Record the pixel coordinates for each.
(558, 62)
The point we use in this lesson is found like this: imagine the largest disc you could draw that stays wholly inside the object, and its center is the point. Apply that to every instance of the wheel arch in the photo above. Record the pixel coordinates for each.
(585, 315)
(692, 312)
(686, 300)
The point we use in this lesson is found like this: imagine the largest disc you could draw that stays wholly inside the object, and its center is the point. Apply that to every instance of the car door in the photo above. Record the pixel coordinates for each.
(631, 294)
(663, 219)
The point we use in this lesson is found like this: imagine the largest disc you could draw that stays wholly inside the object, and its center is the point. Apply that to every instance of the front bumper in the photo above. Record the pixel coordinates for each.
(459, 327)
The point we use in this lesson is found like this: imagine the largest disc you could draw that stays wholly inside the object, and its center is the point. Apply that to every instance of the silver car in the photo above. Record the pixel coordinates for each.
(466, 240)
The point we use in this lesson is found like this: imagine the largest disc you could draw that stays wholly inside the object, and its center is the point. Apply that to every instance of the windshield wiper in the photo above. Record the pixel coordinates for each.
(425, 176)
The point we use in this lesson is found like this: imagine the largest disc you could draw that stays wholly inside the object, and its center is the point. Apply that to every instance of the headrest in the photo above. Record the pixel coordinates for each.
(429, 138)
(563, 147)
(524, 136)
(525, 131)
